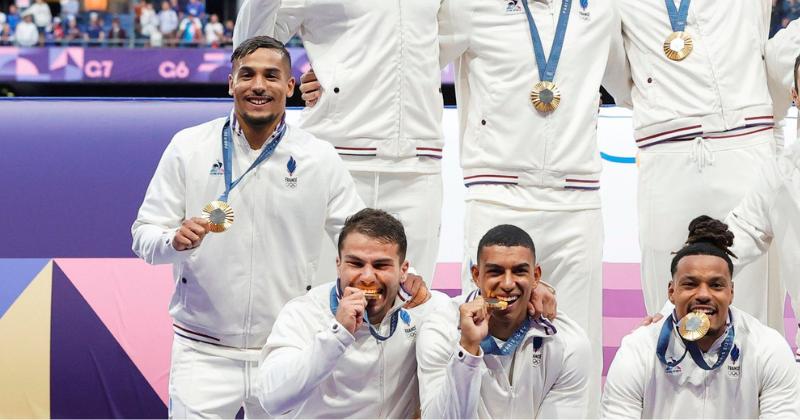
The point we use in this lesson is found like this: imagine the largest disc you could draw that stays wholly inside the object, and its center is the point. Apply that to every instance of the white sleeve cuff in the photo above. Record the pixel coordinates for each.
(341, 334)
(468, 358)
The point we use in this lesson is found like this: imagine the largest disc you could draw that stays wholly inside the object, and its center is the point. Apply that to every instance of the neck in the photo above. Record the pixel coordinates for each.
(257, 135)
(706, 342)
(504, 329)
(376, 318)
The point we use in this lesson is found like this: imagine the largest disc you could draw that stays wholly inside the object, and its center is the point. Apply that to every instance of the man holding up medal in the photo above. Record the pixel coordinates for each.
(528, 76)
(736, 366)
(696, 80)
(483, 356)
(266, 190)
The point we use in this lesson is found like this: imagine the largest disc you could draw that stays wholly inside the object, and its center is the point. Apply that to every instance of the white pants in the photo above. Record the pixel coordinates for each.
(416, 200)
(569, 248)
(202, 385)
(680, 181)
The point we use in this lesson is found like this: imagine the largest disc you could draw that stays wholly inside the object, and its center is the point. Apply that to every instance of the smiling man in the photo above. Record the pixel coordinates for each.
(731, 366)
(346, 349)
(267, 189)
(483, 356)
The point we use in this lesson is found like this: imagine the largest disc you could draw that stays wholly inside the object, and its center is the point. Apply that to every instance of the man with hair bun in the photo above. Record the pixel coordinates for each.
(707, 359)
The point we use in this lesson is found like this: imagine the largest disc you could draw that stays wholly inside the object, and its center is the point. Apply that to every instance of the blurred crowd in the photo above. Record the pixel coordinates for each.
(151, 24)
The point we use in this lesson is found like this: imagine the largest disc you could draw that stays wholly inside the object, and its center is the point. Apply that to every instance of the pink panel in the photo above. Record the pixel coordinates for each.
(131, 298)
(616, 328)
(621, 276)
(447, 276)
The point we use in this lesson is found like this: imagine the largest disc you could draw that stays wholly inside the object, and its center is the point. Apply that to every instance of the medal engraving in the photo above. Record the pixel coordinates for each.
(219, 216)
(678, 46)
(694, 326)
(545, 96)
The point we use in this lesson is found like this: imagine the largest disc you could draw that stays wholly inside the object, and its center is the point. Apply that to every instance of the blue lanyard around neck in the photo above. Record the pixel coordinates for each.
(489, 344)
(336, 295)
(691, 347)
(227, 152)
(677, 16)
(547, 68)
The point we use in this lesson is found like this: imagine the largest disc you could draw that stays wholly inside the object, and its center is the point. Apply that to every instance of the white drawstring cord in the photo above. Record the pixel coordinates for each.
(701, 154)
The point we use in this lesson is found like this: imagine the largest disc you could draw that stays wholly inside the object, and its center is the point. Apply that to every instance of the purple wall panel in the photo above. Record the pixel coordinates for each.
(76, 171)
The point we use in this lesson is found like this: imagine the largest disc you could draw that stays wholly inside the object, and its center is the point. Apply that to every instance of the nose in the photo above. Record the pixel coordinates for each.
(259, 86)
(507, 282)
(703, 294)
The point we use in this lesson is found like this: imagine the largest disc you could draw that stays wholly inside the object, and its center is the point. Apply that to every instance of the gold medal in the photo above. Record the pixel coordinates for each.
(694, 326)
(545, 96)
(678, 46)
(495, 303)
(371, 294)
(219, 216)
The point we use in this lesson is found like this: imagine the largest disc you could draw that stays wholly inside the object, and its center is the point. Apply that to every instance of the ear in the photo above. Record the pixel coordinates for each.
(290, 87)
(474, 271)
(794, 96)
(537, 276)
(670, 292)
(404, 269)
(732, 290)
(230, 85)
(338, 267)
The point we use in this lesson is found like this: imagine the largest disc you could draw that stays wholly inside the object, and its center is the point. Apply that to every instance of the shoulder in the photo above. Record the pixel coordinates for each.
(198, 136)
(767, 339)
(314, 304)
(443, 316)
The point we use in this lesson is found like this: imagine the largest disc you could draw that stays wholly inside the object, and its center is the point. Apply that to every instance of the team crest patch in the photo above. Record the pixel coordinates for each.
(734, 367)
(584, 12)
(291, 166)
(217, 169)
(513, 7)
(673, 370)
(410, 330)
(536, 361)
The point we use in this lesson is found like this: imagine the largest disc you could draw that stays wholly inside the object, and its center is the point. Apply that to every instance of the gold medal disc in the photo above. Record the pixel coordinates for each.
(495, 303)
(371, 294)
(219, 215)
(678, 46)
(545, 96)
(694, 326)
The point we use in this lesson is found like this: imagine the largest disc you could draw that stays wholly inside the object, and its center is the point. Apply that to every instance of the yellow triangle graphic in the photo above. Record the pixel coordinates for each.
(25, 353)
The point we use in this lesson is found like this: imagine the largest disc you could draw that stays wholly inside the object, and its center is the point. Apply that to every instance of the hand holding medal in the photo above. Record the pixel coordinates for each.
(190, 234)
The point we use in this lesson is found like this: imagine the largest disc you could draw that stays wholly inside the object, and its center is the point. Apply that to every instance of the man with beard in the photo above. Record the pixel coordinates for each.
(707, 359)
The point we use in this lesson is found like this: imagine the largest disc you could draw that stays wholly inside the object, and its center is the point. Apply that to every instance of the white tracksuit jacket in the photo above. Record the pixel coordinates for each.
(770, 213)
(314, 368)
(504, 140)
(548, 382)
(229, 290)
(781, 52)
(378, 65)
(761, 382)
(720, 86)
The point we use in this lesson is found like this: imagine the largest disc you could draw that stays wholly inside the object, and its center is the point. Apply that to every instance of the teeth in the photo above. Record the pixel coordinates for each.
(508, 299)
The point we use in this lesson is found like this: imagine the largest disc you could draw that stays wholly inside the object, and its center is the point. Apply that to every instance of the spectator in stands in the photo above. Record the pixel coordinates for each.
(12, 18)
(791, 11)
(2, 20)
(196, 8)
(69, 8)
(26, 34)
(6, 35)
(42, 17)
(72, 32)
(116, 35)
(168, 21)
(214, 31)
(57, 32)
(148, 22)
(94, 31)
(228, 34)
(191, 30)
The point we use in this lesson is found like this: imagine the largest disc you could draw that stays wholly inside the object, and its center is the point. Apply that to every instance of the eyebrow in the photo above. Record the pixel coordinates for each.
(377, 261)
(490, 266)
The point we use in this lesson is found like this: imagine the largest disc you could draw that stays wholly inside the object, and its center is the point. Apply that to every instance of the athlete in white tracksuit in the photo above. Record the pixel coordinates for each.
(757, 383)
(230, 287)
(703, 126)
(315, 368)
(547, 376)
(538, 171)
(381, 107)
(475, 361)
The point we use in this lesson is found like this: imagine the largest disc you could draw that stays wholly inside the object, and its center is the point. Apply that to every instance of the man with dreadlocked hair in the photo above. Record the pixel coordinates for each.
(736, 366)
